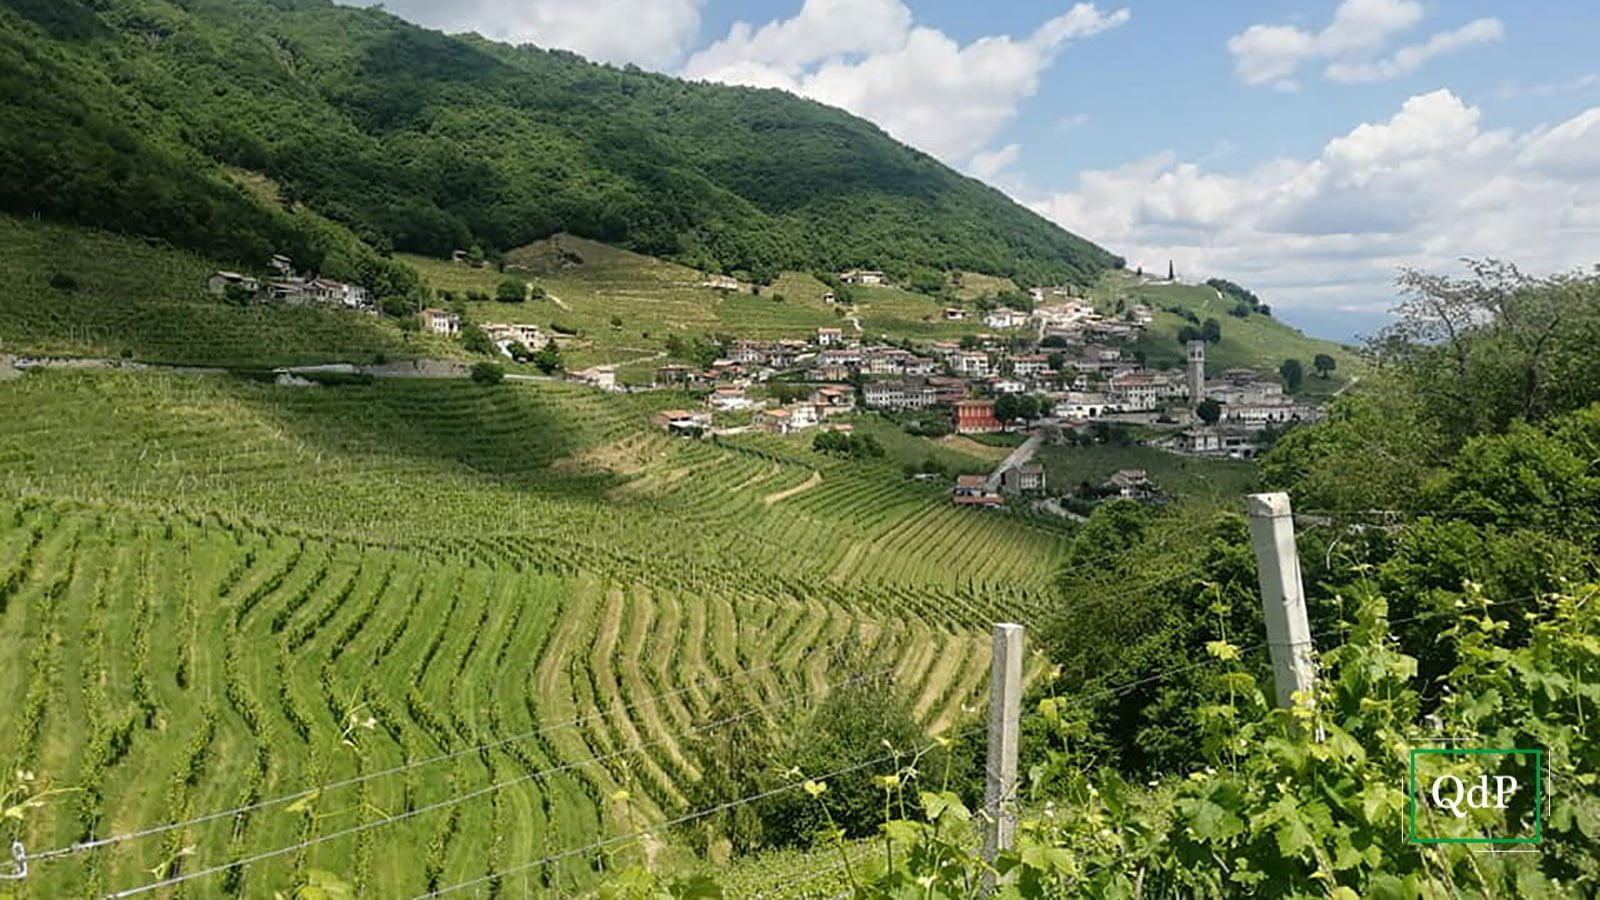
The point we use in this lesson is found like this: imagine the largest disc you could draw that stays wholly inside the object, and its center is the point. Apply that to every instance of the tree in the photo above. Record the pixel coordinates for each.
(1190, 333)
(539, 293)
(616, 323)
(1293, 373)
(488, 373)
(511, 291)
(1324, 364)
(969, 342)
(1058, 362)
(1172, 272)
(476, 340)
(1211, 331)
(1209, 411)
(475, 256)
(548, 359)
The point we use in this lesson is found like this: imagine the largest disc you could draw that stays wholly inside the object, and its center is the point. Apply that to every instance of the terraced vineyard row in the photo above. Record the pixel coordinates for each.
(562, 478)
(182, 665)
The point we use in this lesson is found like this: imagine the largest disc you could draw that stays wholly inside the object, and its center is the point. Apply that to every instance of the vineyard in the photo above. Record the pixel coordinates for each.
(230, 592)
(79, 292)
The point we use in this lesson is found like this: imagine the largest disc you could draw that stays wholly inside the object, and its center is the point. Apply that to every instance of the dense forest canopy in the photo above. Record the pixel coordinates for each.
(156, 117)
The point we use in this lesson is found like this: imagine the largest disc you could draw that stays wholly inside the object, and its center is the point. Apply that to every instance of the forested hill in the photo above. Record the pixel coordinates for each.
(158, 117)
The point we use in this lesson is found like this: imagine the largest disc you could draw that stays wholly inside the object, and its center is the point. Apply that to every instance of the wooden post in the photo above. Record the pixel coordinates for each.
(1283, 599)
(1005, 711)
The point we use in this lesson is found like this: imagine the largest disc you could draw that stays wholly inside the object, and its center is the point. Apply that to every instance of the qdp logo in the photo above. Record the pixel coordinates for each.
(1448, 785)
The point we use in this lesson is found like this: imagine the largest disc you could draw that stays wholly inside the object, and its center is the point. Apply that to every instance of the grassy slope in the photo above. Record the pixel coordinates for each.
(1208, 479)
(1256, 342)
(148, 302)
(655, 298)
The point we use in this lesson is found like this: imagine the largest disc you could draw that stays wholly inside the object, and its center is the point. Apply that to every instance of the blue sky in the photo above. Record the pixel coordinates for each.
(1305, 149)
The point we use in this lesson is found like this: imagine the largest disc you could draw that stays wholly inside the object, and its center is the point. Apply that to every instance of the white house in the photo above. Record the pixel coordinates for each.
(972, 363)
(865, 277)
(1083, 405)
(829, 337)
(721, 283)
(441, 321)
(1004, 317)
(898, 395)
(729, 398)
(219, 282)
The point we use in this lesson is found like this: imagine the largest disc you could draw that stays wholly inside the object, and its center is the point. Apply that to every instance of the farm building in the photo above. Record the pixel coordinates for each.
(973, 490)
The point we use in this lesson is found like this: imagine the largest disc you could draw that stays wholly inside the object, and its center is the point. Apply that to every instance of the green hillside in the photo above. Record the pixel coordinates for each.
(1256, 341)
(411, 140)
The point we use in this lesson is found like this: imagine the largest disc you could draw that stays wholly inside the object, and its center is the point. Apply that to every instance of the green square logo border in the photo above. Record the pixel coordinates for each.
(1538, 794)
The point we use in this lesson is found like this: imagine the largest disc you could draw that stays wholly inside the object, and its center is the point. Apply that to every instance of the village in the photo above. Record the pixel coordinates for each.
(1056, 373)
(1055, 370)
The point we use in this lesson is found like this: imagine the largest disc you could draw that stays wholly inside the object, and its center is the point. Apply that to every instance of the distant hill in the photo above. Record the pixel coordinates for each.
(237, 127)
(1252, 341)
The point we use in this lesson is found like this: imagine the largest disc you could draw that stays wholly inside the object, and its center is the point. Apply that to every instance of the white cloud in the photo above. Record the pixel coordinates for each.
(988, 164)
(1424, 187)
(1273, 54)
(651, 33)
(1408, 59)
(1514, 91)
(869, 57)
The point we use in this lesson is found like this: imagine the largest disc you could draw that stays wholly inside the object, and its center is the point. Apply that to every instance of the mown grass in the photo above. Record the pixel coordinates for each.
(1177, 476)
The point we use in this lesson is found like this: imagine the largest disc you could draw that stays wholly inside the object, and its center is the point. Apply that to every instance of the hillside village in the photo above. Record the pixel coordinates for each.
(1052, 368)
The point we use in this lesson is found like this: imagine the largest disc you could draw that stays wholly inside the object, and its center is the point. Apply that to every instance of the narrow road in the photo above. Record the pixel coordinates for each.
(1018, 457)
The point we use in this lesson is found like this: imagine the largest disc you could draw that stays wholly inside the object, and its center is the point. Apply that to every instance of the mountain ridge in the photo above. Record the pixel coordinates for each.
(409, 139)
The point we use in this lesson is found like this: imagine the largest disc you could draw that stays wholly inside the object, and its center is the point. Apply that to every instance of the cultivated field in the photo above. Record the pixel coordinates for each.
(215, 583)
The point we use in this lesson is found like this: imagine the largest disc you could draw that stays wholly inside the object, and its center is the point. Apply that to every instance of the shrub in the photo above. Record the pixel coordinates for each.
(488, 373)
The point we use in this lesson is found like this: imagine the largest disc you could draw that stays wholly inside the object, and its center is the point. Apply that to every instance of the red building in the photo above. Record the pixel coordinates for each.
(976, 417)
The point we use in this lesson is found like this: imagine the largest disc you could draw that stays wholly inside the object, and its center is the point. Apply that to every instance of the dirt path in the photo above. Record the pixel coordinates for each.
(808, 484)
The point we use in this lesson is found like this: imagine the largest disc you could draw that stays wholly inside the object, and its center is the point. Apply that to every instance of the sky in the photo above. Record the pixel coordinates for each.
(1308, 149)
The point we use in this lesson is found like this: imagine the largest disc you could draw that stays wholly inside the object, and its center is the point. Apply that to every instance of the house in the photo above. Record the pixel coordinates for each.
(948, 391)
(1131, 484)
(954, 314)
(1004, 317)
(887, 361)
(917, 365)
(971, 363)
(789, 419)
(721, 283)
(830, 298)
(898, 395)
(976, 417)
(803, 416)
(1022, 479)
(858, 276)
(834, 400)
(281, 264)
(829, 337)
(683, 422)
(828, 372)
(219, 282)
(440, 321)
(1030, 366)
(506, 334)
(1008, 386)
(973, 490)
(729, 398)
(784, 354)
(1083, 405)
(1213, 441)
(1134, 391)
(674, 374)
(602, 377)
(749, 353)
(848, 357)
